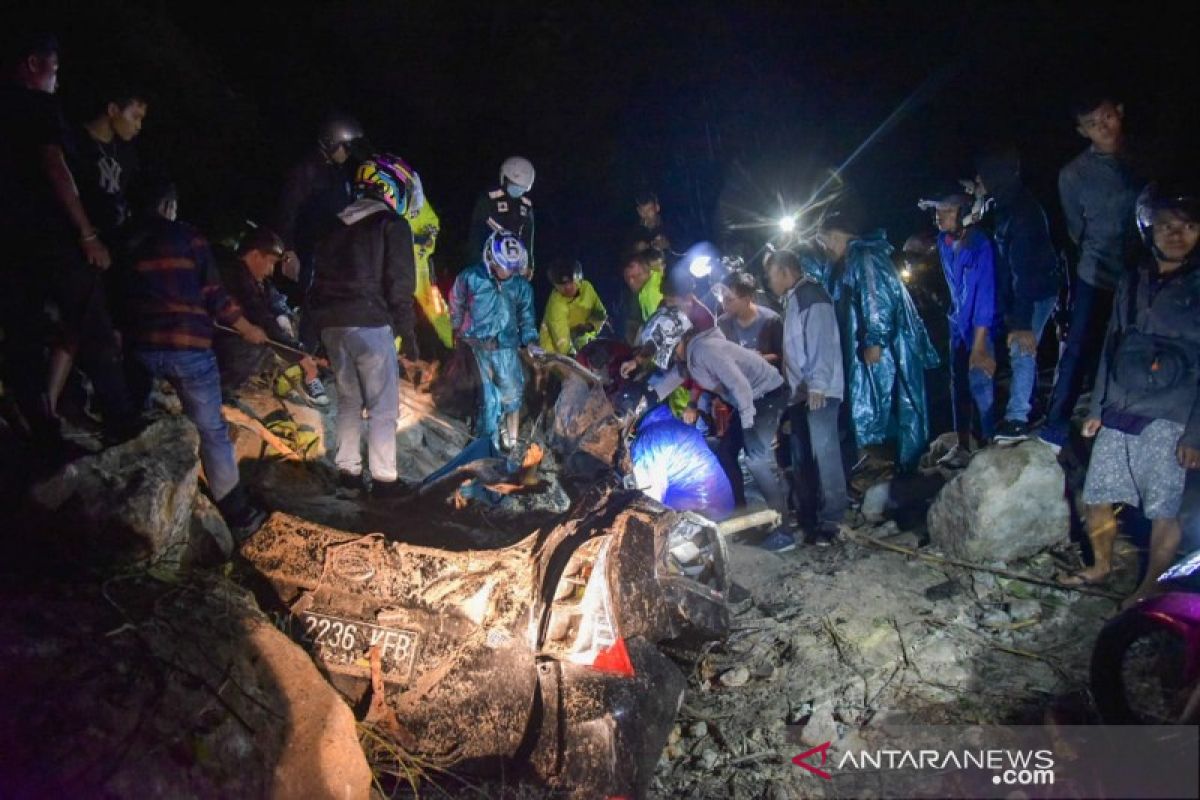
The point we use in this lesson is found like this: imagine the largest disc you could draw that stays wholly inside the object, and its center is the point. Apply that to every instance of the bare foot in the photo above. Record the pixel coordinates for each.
(1089, 576)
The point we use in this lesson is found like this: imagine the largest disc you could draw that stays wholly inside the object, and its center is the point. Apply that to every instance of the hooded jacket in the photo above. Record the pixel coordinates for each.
(970, 268)
(365, 273)
(1025, 259)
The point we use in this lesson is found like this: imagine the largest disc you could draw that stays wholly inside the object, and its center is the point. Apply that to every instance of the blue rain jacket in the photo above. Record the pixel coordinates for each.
(486, 309)
(887, 399)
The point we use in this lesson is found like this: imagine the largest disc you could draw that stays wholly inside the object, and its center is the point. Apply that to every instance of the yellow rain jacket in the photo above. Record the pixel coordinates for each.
(563, 314)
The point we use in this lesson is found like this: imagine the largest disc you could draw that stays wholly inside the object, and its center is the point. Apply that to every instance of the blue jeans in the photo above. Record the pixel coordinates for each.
(367, 377)
(970, 386)
(1090, 308)
(1024, 365)
(759, 443)
(194, 375)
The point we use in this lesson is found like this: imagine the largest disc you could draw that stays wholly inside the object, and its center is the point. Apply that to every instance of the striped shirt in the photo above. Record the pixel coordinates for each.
(172, 289)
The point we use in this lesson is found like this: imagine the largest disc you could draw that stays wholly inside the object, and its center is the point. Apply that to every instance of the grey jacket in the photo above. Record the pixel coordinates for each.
(812, 345)
(1098, 193)
(737, 375)
(1161, 381)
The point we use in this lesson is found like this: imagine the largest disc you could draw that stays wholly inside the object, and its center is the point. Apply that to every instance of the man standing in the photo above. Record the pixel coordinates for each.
(314, 193)
(52, 250)
(174, 295)
(1026, 255)
(491, 306)
(651, 230)
(361, 299)
(1145, 409)
(812, 364)
(754, 327)
(1098, 190)
(885, 347)
(103, 161)
(975, 317)
(505, 209)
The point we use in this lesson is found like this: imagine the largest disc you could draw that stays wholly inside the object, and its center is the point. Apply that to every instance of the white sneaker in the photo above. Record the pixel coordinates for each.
(957, 458)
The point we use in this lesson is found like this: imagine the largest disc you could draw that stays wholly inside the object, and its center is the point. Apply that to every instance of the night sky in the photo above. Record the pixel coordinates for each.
(716, 106)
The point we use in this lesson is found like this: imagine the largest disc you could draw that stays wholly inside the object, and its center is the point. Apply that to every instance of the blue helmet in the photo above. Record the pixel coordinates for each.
(503, 251)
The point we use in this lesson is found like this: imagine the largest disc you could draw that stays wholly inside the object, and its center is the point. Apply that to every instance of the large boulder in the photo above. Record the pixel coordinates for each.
(146, 688)
(1007, 504)
(134, 502)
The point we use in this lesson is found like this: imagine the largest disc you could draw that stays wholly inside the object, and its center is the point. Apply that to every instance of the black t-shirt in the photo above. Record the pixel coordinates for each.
(30, 120)
(102, 172)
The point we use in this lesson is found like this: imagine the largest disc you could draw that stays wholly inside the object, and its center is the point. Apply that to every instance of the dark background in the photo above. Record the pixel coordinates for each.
(727, 110)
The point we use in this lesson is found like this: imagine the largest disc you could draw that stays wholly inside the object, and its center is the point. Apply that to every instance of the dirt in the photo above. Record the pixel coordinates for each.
(832, 642)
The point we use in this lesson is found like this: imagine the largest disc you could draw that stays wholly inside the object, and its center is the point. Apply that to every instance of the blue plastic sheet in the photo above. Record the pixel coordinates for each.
(675, 466)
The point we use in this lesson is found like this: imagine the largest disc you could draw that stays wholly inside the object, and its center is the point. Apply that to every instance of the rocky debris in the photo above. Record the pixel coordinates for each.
(1007, 504)
(584, 431)
(840, 640)
(143, 687)
(138, 502)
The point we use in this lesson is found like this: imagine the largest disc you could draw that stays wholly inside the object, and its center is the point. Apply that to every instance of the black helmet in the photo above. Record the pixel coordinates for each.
(1163, 196)
(563, 270)
(338, 129)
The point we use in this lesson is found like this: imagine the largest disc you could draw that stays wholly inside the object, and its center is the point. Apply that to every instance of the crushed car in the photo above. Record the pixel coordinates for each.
(545, 655)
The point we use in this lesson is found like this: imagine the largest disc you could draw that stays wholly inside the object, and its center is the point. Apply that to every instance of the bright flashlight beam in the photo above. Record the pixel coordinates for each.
(787, 224)
(926, 90)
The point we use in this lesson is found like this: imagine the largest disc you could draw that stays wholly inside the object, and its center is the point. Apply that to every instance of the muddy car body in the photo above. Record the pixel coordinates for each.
(542, 655)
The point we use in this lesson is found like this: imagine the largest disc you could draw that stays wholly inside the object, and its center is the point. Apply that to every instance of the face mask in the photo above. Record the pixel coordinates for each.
(514, 191)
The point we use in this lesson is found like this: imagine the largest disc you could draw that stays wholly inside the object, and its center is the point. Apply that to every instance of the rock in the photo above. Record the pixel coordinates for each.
(875, 501)
(738, 676)
(1021, 610)
(149, 688)
(994, 618)
(1006, 505)
(132, 502)
(698, 729)
(585, 432)
(709, 758)
(905, 539)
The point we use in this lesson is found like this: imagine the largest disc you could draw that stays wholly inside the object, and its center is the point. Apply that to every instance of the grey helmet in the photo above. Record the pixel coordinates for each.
(337, 130)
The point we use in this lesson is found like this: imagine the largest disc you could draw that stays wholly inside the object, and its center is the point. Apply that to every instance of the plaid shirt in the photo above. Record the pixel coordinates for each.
(173, 291)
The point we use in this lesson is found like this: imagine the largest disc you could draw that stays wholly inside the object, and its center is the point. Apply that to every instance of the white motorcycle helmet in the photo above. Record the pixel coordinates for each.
(517, 171)
(505, 256)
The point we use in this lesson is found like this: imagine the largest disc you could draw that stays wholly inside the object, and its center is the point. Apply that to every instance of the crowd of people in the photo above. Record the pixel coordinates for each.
(811, 371)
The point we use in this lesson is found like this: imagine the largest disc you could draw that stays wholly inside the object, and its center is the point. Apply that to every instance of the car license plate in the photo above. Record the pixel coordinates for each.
(347, 643)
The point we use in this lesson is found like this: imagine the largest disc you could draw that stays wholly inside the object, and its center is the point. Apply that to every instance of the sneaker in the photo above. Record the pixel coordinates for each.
(314, 393)
(1053, 436)
(780, 541)
(1010, 431)
(389, 490)
(957, 458)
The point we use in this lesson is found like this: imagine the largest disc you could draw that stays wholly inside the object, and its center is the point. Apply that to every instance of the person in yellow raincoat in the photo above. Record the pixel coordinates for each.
(424, 223)
(574, 312)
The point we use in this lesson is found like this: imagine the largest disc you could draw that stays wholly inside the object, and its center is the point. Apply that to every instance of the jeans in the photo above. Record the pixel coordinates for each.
(970, 386)
(367, 376)
(1024, 365)
(194, 375)
(819, 479)
(1090, 309)
(759, 443)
